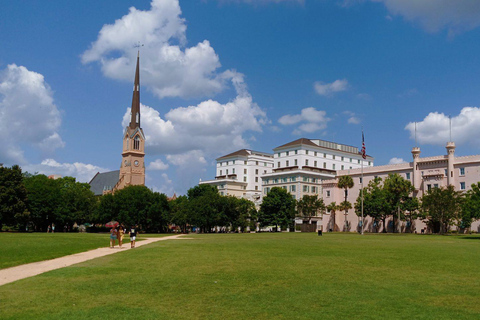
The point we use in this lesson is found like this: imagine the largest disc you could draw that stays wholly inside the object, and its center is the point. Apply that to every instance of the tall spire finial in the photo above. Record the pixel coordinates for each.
(135, 110)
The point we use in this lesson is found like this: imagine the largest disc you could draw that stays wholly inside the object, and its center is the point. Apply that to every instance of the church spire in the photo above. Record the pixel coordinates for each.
(135, 119)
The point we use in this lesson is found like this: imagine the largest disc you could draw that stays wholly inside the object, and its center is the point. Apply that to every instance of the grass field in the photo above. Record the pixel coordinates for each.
(263, 276)
(21, 248)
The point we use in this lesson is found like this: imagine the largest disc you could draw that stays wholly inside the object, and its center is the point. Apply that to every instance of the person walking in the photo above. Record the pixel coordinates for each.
(133, 236)
(113, 237)
(121, 232)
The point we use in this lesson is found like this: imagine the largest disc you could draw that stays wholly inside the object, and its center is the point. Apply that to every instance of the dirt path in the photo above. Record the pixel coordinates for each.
(32, 269)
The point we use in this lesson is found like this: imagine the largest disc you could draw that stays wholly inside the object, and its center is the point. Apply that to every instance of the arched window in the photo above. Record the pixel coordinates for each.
(136, 143)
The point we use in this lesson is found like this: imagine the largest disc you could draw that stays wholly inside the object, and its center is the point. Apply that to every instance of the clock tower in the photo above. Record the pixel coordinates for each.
(132, 168)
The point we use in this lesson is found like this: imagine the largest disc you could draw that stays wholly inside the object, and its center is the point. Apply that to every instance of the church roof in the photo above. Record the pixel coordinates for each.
(104, 181)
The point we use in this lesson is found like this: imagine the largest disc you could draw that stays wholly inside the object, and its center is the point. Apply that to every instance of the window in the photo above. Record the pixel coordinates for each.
(429, 187)
(328, 193)
(343, 167)
(462, 171)
(244, 179)
(136, 143)
(287, 153)
(407, 175)
(305, 188)
(256, 163)
(324, 165)
(233, 162)
(306, 151)
(256, 188)
(220, 172)
(343, 158)
(315, 153)
(324, 155)
(278, 164)
(245, 162)
(358, 160)
(333, 166)
(293, 189)
(369, 163)
(288, 163)
(333, 157)
(314, 189)
(256, 171)
(306, 162)
(294, 179)
(296, 162)
(361, 180)
(305, 179)
(435, 185)
(351, 159)
(296, 151)
(233, 171)
(462, 185)
(256, 179)
(245, 171)
(315, 163)
(227, 172)
(446, 173)
(278, 154)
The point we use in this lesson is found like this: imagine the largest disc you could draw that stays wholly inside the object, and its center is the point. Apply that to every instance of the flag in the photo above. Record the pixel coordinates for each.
(364, 155)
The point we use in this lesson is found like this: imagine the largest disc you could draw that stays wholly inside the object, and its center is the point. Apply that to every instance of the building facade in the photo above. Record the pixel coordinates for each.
(240, 174)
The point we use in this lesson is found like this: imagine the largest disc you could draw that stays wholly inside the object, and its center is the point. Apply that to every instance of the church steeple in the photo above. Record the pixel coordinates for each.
(135, 117)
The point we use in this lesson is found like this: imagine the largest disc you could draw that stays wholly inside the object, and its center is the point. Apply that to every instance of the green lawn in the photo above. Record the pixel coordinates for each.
(21, 248)
(263, 276)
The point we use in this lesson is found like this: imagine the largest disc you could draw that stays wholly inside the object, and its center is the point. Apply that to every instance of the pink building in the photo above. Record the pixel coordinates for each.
(423, 173)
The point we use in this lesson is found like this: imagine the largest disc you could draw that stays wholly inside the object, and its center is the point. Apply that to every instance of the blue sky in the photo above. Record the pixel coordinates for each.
(221, 75)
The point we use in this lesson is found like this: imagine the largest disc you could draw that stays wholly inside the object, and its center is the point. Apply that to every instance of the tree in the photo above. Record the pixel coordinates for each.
(470, 207)
(76, 204)
(43, 199)
(13, 195)
(441, 207)
(332, 207)
(345, 183)
(277, 208)
(397, 192)
(133, 204)
(106, 209)
(309, 207)
(374, 203)
(179, 213)
(345, 206)
(204, 206)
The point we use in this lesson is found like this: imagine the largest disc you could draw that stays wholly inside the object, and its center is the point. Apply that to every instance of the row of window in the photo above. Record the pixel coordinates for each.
(244, 171)
(290, 179)
(287, 153)
(227, 163)
(315, 164)
(293, 188)
(435, 185)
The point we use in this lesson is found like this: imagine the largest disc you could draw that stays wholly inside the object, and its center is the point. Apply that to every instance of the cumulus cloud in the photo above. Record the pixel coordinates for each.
(435, 128)
(28, 114)
(326, 89)
(352, 117)
(396, 161)
(435, 15)
(310, 120)
(81, 171)
(157, 165)
(209, 126)
(168, 67)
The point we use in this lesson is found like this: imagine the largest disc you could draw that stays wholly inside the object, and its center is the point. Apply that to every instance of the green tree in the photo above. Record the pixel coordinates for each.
(204, 206)
(43, 199)
(345, 206)
(134, 204)
(179, 213)
(374, 203)
(77, 202)
(332, 207)
(345, 183)
(470, 206)
(441, 207)
(13, 195)
(277, 208)
(397, 192)
(309, 207)
(106, 209)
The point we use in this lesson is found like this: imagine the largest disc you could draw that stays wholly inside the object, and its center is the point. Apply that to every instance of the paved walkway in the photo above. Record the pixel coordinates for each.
(32, 269)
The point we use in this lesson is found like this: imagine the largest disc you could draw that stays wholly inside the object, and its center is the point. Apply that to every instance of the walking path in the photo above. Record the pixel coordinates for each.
(32, 269)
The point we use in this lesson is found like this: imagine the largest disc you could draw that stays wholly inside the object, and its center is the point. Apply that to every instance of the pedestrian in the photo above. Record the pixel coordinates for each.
(121, 232)
(133, 236)
(48, 229)
(53, 227)
(113, 237)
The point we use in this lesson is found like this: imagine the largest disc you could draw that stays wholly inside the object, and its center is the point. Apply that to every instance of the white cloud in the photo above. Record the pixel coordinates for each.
(352, 118)
(435, 128)
(326, 89)
(28, 114)
(434, 15)
(396, 161)
(209, 126)
(312, 120)
(168, 67)
(81, 171)
(188, 158)
(157, 165)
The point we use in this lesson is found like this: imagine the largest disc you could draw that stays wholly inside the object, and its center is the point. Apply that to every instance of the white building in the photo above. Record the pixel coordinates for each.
(302, 165)
(240, 174)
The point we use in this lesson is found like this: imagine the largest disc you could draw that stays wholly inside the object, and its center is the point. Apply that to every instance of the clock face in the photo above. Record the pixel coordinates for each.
(136, 163)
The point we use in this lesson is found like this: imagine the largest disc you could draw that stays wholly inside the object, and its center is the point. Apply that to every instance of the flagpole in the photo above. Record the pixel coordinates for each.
(361, 186)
